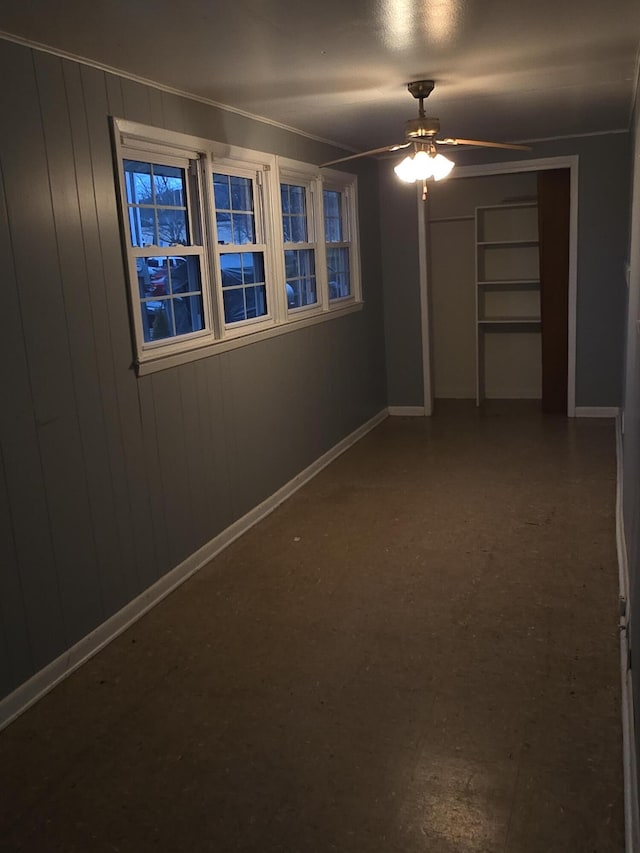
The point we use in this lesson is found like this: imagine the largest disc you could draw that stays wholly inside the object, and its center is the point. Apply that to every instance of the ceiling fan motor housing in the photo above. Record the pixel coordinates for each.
(422, 128)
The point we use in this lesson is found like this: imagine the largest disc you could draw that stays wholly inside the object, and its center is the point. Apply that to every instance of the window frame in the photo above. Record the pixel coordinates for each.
(186, 158)
(346, 185)
(255, 171)
(295, 173)
(202, 158)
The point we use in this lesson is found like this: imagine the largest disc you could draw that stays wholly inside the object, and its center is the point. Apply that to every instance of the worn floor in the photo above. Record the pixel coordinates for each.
(417, 652)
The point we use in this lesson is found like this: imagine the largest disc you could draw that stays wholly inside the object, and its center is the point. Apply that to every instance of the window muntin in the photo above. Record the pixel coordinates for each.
(299, 246)
(168, 266)
(241, 248)
(338, 248)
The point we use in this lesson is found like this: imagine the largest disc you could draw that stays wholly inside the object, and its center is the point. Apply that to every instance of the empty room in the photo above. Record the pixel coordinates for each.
(320, 432)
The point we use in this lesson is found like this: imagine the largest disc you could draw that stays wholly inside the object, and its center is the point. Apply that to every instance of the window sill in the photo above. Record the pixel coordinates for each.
(156, 362)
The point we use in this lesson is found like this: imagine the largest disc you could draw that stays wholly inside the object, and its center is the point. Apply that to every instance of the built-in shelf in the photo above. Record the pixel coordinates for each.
(498, 244)
(511, 321)
(510, 282)
(507, 276)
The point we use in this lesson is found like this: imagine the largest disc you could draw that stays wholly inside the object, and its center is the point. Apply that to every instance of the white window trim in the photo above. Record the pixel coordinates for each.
(155, 145)
(346, 184)
(296, 173)
(257, 173)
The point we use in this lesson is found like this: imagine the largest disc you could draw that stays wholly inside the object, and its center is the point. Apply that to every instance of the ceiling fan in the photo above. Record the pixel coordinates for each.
(422, 133)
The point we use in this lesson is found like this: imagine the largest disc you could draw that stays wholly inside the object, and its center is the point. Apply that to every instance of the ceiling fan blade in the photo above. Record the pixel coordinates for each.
(456, 141)
(367, 153)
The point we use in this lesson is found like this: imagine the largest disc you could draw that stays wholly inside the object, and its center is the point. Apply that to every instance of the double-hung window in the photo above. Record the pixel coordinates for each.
(241, 247)
(166, 255)
(338, 214)
(298, 229)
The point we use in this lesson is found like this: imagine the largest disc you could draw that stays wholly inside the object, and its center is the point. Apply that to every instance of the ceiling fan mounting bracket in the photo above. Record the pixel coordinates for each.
(421, 88)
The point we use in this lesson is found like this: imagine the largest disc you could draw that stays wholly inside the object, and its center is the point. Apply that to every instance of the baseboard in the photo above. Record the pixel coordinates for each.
(46, 679)
(629, 757)
(406, 411)
(597, 411)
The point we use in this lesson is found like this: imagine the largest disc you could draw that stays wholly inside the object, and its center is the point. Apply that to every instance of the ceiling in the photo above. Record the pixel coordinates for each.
(504, 70)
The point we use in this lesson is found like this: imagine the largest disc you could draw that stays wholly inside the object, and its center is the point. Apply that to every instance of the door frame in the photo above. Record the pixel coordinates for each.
(565, 162)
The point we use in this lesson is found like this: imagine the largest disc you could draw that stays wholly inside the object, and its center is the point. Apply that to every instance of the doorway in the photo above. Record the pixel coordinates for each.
(514, 353)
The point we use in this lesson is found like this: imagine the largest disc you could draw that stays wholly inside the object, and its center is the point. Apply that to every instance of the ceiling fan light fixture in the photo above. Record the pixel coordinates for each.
(441, 166)
(422, 165)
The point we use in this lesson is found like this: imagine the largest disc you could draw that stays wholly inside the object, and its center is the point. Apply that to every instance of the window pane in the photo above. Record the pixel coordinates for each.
(188, 314)
(138, 182)
(338, 272)
(298, 229)
(157, 320)
(221, 192)
(172, 227)
(234, 306)
(297, 197)
(301, 277)
(291, 263)
(231, 269)
(331, 203)
(241, 194)
(252, 267)
(142, 225)
(256, 301)
(169, 186)
(223, 224)
(284, 197)
(333, 216)
(184, 275)
(243, 231)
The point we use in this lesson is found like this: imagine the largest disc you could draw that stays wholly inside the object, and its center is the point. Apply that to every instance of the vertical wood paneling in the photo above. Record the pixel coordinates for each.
(159, 522)
(123, 581)
(156, 108)
(193, 439)
(172, 106)
(99, 530)
(27, 207)
(173, 463)
(114, 95)
(17, 665)
(136, 102)
(104, 183)
(215, 453)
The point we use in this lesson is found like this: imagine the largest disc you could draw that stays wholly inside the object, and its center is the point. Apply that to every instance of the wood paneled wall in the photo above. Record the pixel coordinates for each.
(107, 480)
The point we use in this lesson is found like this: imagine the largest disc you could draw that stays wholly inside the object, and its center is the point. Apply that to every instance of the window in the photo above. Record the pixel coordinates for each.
(167, 263)
(336, 234)
(222, 243)
(299, 246)
(240, 248)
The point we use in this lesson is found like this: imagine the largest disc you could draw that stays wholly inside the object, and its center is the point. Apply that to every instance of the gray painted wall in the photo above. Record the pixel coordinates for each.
(631, 438)
(108, 481)
(602, 252)
(400, 268)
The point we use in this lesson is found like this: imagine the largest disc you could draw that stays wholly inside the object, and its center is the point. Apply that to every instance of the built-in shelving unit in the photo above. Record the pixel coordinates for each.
(507, 276)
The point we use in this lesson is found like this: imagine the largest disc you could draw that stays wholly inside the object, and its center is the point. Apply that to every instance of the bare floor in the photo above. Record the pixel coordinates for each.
(417, 652)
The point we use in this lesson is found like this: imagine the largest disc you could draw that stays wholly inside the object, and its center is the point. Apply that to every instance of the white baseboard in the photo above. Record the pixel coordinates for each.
(629, 757)
(46, 679)
(597, 411)
(406, 411)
